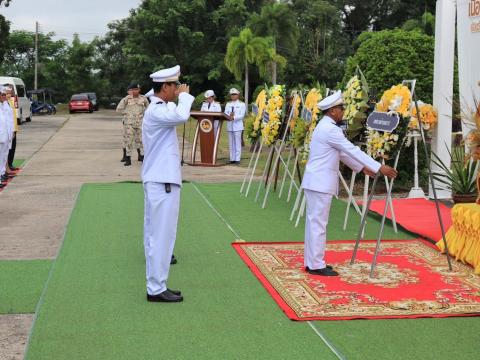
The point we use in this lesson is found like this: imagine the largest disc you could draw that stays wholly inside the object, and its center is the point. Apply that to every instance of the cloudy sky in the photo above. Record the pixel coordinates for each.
(88, 18)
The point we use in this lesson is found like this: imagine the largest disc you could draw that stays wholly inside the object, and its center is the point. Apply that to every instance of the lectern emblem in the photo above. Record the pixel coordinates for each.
(206, 125)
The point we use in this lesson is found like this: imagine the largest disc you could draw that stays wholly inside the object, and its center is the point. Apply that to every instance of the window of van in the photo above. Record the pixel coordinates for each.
(20, 90)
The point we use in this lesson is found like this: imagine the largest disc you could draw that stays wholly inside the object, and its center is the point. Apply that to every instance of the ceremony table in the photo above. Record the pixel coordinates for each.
(463, 237)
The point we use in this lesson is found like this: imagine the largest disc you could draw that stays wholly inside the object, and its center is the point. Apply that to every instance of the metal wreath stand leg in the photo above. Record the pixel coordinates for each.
(389, 190)
(278, 150)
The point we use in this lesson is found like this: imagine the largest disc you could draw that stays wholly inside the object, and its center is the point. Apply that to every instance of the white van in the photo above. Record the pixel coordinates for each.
(21, 101)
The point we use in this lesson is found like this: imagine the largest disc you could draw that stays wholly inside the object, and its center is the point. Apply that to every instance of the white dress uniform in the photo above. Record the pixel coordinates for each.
(6, 132)
(212, 107)
(162, 180)
(4, 140)
(149, 95)
(235, 127)
(328, 147)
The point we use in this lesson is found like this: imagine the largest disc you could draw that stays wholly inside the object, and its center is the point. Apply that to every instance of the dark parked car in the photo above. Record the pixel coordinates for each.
(80, 102)
(93, 98)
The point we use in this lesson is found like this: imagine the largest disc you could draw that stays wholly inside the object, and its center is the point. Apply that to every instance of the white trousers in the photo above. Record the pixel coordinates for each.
(235, 141)
(159, 233)
(316, 220)
(4, 147)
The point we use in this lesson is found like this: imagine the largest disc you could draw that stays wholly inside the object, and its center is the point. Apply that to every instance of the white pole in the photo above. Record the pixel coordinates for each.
(443, 84)
(36, 56)
(416, 191)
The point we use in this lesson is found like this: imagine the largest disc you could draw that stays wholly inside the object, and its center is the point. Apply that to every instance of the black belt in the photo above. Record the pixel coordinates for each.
(168, 188)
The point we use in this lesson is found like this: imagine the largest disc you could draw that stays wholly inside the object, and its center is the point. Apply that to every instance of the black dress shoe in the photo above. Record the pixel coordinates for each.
(328, 267)
(166, 296)
(2, 186)
(175, 292)
(323, 272)
(173, 260)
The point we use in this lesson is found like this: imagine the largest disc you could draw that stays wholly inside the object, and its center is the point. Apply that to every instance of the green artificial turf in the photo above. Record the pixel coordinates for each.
(94, 306)
(18, 162)
(355, 339)
(272, 223)
(21, 284)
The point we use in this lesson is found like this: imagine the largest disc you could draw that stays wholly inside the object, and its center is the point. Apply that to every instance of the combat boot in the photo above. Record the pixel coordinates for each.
(128, 161)
(140, 156)
(124, 158)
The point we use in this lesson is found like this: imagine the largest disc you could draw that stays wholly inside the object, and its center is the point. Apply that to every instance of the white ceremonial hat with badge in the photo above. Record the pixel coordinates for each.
(209, 93)
(234, 91)
(330, 101)
(166, 75)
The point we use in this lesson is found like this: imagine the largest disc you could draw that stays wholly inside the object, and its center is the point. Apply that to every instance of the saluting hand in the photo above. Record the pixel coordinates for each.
(388, 171)
(183, 88)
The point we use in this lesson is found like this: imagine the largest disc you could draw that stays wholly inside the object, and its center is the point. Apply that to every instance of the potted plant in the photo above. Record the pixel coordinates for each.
(460, 178)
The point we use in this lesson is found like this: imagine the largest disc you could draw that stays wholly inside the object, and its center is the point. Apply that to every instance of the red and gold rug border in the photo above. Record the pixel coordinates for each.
(291, 313)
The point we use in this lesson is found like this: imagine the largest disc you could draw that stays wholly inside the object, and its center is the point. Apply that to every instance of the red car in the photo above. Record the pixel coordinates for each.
(80, 102)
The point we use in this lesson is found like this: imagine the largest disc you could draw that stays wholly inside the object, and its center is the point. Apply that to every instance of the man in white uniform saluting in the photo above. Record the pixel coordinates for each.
(162, 178)
(329, 146)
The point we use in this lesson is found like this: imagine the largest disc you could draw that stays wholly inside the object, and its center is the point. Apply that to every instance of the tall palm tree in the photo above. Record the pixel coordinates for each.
(278, 22)
(269, 62)
(243, 50)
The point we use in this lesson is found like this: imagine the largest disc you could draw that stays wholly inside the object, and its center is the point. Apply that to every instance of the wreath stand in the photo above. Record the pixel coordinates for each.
(389, 190)
(275, 150)
(351, 200)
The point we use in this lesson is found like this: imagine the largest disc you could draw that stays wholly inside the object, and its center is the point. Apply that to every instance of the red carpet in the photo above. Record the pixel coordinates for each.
(412, 280)
(418, 216)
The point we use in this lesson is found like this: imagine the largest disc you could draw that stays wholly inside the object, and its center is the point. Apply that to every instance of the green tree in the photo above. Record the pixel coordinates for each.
(4, 33)
(243, 50)
(277, 21)
(425, 24)
(111, 61)
(390, 56)
(363, 15)
(20, 57)
(79, 66)
(191, 33)
(323, 46)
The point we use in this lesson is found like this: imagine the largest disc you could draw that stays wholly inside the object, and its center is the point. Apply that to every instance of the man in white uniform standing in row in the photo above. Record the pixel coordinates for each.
(329, 146)
(6, 132)
(235, 109)
(162, 179)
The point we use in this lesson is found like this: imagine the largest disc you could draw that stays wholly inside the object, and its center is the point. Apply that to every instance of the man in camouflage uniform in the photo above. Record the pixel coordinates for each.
(132, 106)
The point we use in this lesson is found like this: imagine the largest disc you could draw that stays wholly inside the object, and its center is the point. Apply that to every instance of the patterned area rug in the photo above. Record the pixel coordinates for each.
(411, 280)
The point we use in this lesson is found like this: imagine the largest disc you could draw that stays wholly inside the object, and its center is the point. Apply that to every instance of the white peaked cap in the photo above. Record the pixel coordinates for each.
(234, 91)
(331, 101)
(166, 75)
(209, 93)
